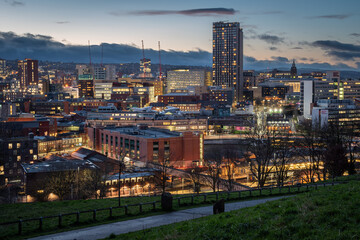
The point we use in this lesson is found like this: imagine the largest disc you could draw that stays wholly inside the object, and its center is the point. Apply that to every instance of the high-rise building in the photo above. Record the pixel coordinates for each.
(86, 86)
(2, 66)
(28, 72)
(228, 56)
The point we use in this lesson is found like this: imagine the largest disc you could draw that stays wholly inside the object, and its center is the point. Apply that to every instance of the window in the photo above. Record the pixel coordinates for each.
(18, 145)
(18, 158)
(10, 171)
(35, 157)
(10, 146)
(31, 151)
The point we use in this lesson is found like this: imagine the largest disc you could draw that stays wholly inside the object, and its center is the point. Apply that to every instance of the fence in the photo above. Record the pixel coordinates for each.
(49, 223)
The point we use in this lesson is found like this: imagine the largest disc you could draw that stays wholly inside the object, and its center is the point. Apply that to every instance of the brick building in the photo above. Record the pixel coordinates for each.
(145, 144)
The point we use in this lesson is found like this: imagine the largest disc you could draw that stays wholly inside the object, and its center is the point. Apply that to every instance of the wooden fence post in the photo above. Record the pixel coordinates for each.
(40, 223)
(94, 215)
(126, 209)
(20, 226)
(60, 220)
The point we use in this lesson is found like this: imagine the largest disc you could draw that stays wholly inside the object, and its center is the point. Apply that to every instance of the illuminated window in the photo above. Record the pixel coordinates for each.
(18, 145)
(18, 158)
(10, 146)
(31, 151)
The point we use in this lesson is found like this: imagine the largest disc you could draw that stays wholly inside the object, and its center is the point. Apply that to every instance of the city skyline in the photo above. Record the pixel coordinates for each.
(316, 36)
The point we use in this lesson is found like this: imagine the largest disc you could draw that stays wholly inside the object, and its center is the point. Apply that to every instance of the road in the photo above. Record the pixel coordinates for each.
(103, 231)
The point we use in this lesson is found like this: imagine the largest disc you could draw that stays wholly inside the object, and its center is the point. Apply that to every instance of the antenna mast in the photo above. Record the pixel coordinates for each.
(143, 53)
(102, 54)
(89, 52)
(160, 76)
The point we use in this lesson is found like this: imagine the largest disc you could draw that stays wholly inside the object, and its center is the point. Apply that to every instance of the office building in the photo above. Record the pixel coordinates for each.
(149, 145)
(228, 56)
(86, 86)
(28, 73)
(2, 67)
(183, 78)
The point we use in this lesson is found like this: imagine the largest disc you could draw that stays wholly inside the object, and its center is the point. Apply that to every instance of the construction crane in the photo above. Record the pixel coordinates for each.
(143, 53)
(160, 76)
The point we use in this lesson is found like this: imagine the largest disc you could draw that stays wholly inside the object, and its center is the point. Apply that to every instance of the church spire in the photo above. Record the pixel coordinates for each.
(293, 70)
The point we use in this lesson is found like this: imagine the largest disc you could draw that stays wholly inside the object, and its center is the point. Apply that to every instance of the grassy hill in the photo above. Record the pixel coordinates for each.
(330, 213)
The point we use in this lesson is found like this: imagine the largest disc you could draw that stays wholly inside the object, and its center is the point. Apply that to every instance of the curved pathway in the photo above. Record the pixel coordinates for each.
(103, 231)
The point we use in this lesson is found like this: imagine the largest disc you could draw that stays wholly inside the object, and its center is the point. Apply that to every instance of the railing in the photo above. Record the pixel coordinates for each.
(50, 223)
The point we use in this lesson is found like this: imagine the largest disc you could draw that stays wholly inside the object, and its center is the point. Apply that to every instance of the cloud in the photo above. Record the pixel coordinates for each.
(355, 34)
(334, 16)
(271, 39)
(14, 3)
(189, 12)
(41, 47)
(281, 59)
(344, 55)
(271, 12)
(335, 45)
(344, 51)
(284, 63)
(273, 48)
(297, 48)
(62, 22)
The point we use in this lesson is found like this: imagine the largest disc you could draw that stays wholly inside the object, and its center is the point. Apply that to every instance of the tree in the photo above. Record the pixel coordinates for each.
(283, 157)
(164, 162)
(335, 160)
(212, 161)
(312, 150)
(260, 153)
(229, 163)
(121, 159)
(62, 183)
(195, 177)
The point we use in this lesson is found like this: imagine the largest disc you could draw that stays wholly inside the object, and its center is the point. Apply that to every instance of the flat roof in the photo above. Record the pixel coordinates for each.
(145, 133)
(57, 164)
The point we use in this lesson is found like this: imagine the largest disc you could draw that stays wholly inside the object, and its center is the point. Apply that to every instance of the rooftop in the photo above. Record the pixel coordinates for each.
(57, 164)
(144, 132)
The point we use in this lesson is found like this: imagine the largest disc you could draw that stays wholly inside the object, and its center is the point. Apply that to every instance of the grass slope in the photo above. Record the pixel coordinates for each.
(330, 213)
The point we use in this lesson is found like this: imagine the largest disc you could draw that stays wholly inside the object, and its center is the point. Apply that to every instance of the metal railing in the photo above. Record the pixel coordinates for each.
(77, 218)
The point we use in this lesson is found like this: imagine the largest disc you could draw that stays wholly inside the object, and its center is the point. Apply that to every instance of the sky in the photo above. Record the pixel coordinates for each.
(322, 34)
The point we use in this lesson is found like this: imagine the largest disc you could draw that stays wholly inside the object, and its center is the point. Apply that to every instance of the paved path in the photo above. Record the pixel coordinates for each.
(103, 231)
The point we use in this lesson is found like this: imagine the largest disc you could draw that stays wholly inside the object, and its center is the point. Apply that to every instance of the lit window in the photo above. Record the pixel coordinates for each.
(35, 157)
(18, 145)
(18, 158)
(31, 151)
(10, 146)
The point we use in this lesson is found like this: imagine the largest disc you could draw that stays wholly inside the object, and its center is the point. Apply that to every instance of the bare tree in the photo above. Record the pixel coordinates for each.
(62, 183)
(229, 163)
(283, 157)
(164, 163)
(260, 153)
(195, 175)
(212, 161)
(312, 150)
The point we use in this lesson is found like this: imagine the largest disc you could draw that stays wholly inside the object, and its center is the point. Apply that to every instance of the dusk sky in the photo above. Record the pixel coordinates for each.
(318, 34)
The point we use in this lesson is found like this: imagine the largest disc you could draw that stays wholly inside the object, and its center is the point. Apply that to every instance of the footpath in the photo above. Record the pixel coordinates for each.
(103, 231)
